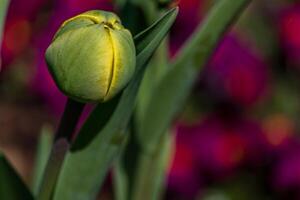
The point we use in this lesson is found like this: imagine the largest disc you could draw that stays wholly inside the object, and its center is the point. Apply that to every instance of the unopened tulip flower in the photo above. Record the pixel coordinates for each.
(92, 56)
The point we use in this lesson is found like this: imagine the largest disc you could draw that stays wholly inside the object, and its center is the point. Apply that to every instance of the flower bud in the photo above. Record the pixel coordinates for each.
(92, 56)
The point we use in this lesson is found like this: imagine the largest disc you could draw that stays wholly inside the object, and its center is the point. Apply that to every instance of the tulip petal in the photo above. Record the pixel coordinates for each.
(81, 68)
(124, 61)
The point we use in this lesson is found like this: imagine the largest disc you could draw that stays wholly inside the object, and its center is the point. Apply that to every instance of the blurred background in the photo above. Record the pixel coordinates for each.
(237, 137)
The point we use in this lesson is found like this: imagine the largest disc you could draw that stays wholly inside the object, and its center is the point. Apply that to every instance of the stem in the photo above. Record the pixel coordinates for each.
(62, 142)
(73, 110)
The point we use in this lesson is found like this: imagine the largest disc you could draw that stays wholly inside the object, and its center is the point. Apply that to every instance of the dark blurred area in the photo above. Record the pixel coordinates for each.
(238, 135)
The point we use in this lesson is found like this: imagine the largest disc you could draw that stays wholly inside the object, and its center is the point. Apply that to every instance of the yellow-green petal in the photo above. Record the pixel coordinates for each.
(124, 61)
(82, 64)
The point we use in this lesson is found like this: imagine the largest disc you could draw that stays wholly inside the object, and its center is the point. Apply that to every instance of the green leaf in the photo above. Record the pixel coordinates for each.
(151, 171)
(102, 136)
(125, 167)
(173, 88)
(120, 175)
(120, 182)
(42, 155)
(11, 185)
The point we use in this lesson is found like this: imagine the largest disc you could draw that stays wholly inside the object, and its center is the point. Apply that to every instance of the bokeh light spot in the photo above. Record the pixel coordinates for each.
(278, 128)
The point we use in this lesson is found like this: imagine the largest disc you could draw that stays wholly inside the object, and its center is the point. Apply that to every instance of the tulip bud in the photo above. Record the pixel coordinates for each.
(92, 56)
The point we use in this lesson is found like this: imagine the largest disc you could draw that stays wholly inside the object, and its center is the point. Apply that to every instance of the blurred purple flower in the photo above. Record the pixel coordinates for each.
(222, 144)
(286, 174)
(235, 74)
(214, 148)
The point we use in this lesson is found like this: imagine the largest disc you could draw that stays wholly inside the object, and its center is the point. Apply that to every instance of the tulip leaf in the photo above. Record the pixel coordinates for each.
(103, 134)
(11, 185)
(175, 85)
(151, 172)
(43, 152)
(120, 182)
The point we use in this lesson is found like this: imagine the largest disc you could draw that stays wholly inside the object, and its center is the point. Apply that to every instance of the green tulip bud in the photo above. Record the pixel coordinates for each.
(92, 56)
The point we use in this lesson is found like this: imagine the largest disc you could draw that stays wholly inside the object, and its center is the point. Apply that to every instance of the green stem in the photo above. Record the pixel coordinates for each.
(62, 142)
(73, 110)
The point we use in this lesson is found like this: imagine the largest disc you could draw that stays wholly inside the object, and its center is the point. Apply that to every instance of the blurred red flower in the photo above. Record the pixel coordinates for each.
(289, 29)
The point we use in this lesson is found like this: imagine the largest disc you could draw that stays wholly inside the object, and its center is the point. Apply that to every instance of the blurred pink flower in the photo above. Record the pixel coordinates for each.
(236, 74)
(183, 177)
(220, 144)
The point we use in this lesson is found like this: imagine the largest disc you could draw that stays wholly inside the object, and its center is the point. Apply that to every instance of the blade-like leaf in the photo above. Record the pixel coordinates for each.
(11, 185)
(120, 175)
(173, 88)
(120, 183)
(42, 155)
(151, 172)
(102, 135)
